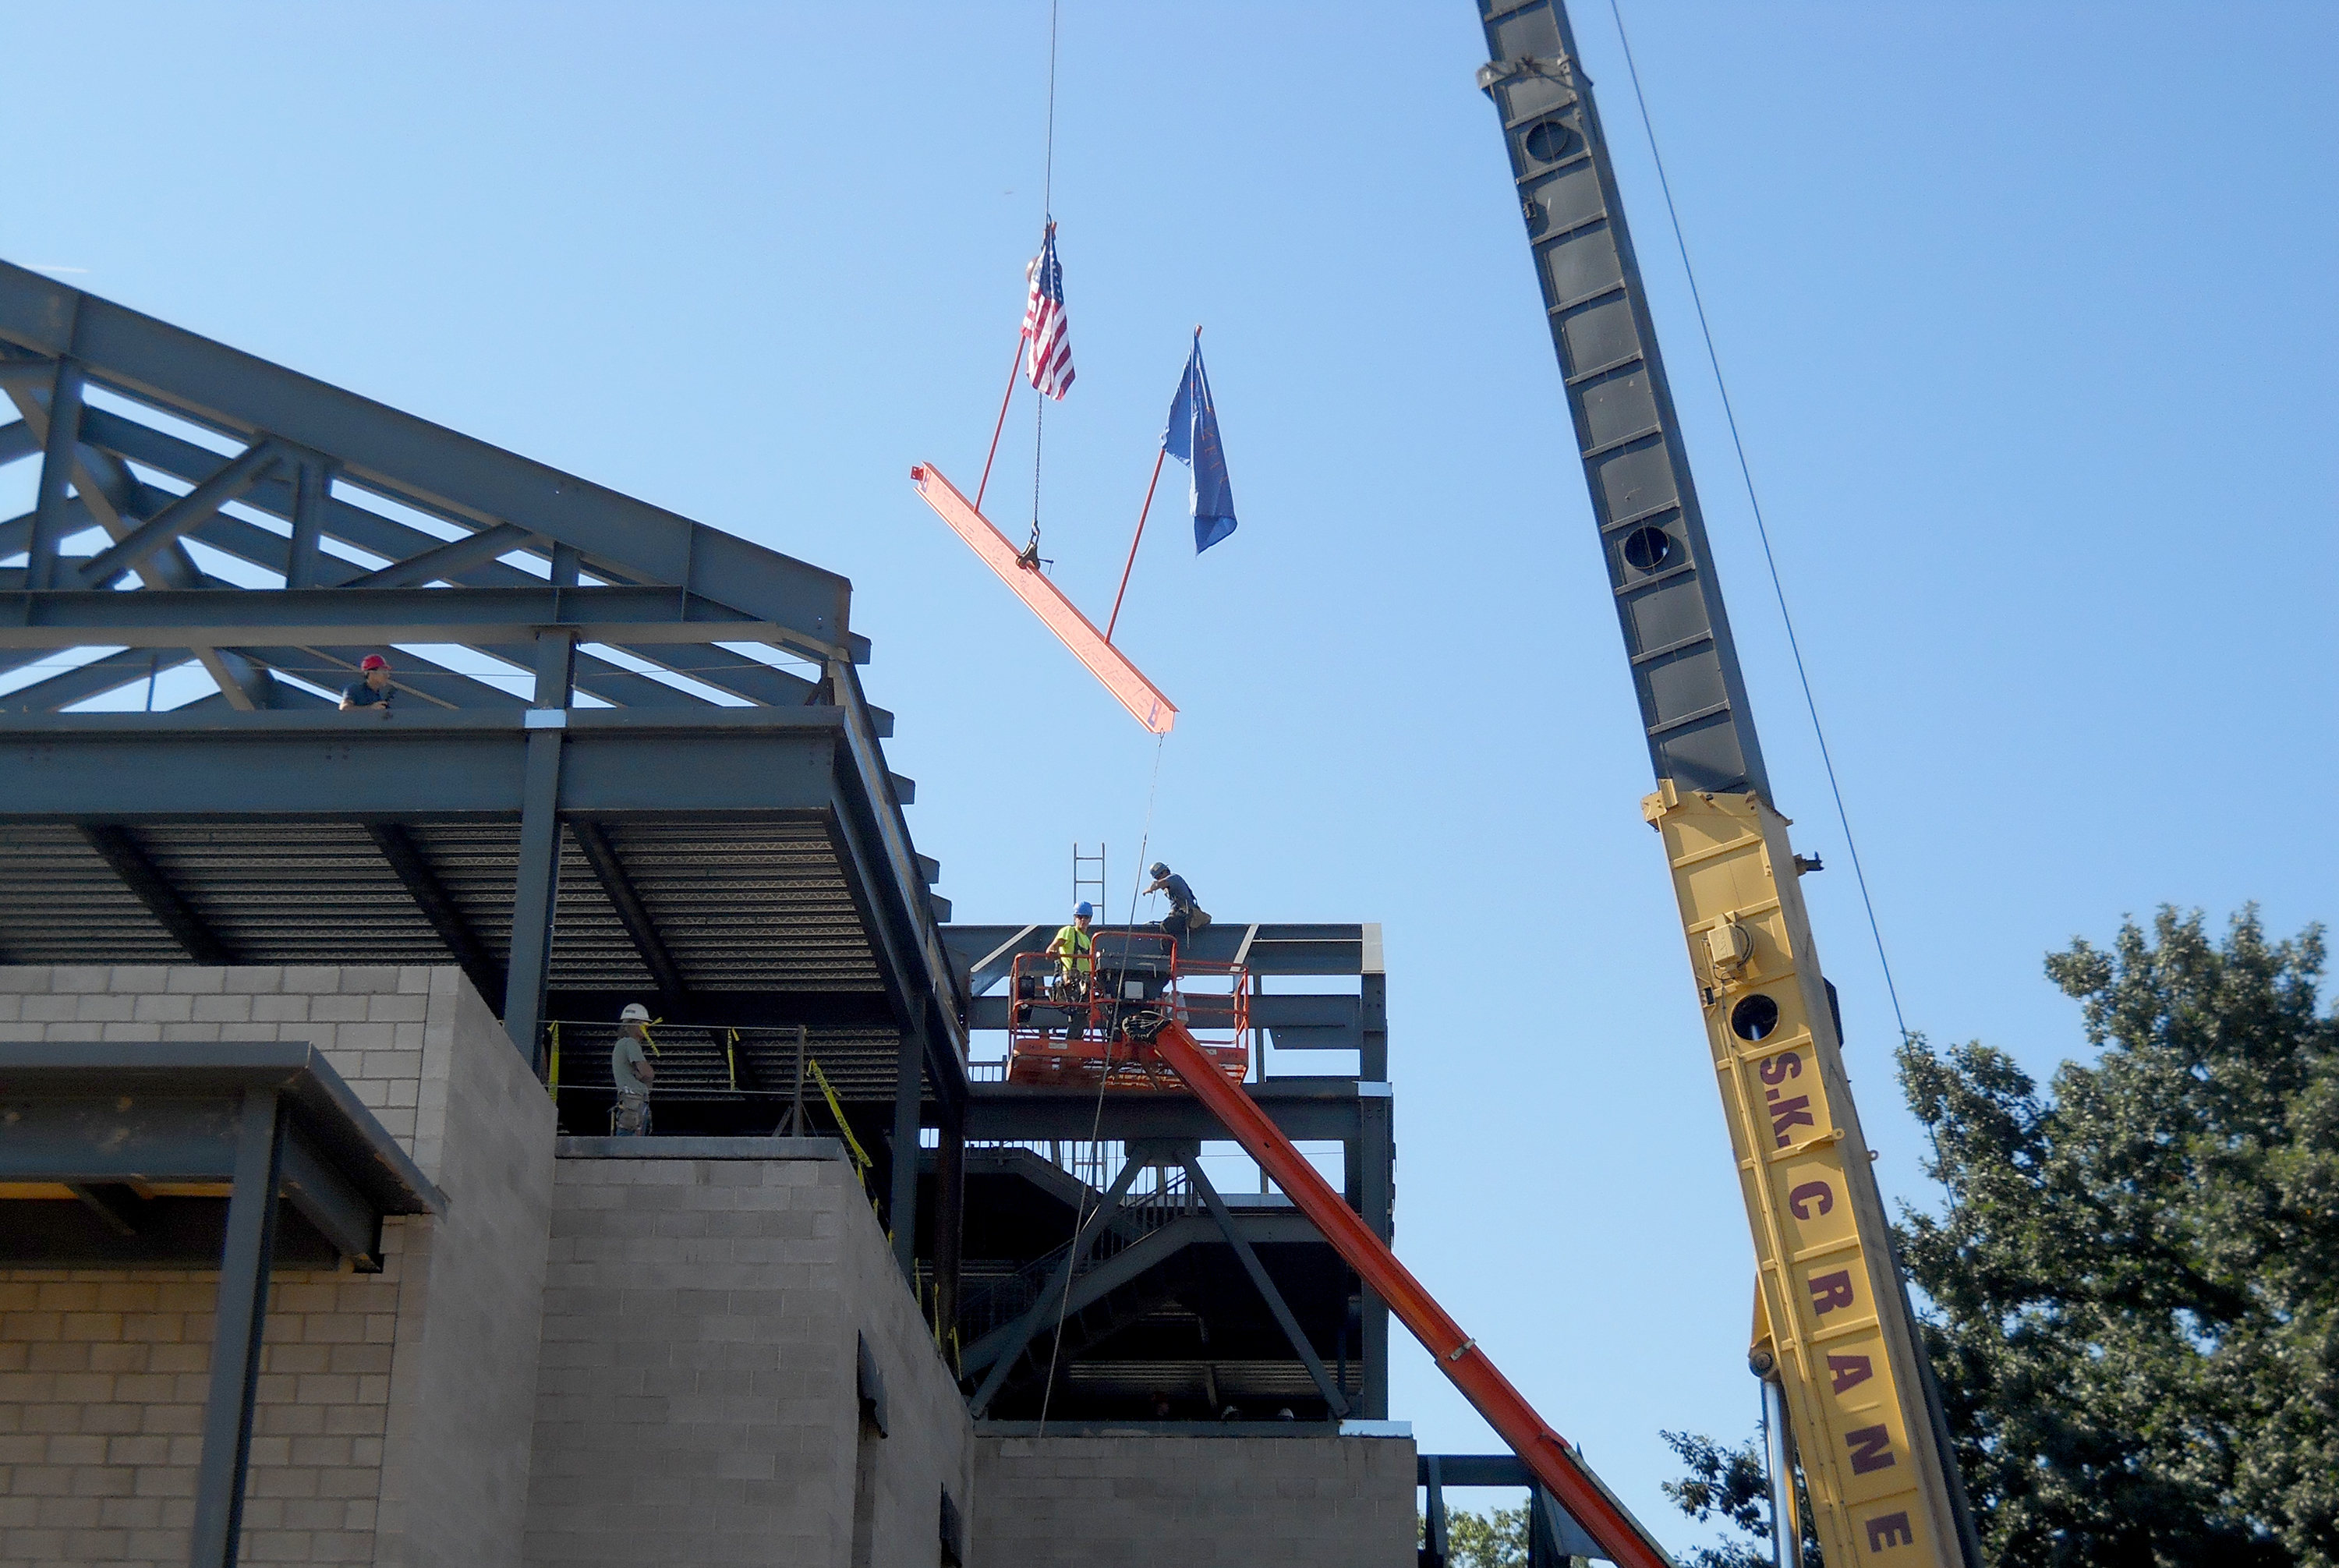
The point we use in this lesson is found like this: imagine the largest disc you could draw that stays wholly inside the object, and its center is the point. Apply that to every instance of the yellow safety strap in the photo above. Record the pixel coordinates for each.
(552, 1080)
(862, 1162)
(731, 1056)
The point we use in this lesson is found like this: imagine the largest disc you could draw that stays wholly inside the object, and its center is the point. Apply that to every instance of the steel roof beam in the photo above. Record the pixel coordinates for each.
(1310, 1108)
(121, 852)
(445, 560)
(231, 480)
(171, 618)
(593, 841)
(94, 680)
(408, 458)
(748, 679)
(318, 762)
(17, 440)
(109, 492)
(429, 894)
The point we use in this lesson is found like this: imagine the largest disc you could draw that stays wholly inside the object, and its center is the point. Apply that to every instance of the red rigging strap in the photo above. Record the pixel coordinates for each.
(1140, 696)
(1545, 1452)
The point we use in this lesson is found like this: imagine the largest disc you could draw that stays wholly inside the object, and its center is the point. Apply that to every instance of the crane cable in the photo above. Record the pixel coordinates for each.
(1047, 222)
(1762, 529)
(1096, 1122)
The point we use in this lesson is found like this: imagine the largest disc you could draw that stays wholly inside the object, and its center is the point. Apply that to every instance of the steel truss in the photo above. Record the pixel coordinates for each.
(197, 503)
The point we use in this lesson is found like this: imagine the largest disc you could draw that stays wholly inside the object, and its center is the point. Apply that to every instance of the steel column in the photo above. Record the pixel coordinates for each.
(536, 895)
(909, 1099)
(239, 1320)
(56, 472)
(950, 1227)
(312, 489)
(1376, 1149)
(1433, 1482)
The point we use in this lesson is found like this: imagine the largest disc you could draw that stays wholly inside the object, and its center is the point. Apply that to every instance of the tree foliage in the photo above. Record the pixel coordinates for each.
(1495, 1539)
(1730, 1484)
(2133, 1280)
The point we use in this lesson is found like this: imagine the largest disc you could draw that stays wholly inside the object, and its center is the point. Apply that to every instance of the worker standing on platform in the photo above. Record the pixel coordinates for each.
(1075, 950)
(633, 1071)
(1185, 917)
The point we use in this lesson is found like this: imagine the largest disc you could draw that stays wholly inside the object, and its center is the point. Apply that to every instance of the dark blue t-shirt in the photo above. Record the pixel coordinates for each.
(1180, 895)
(365, 695)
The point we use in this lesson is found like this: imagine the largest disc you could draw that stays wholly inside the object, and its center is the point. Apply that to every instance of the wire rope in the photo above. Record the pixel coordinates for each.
(1761, 529)
(1096, 1121)
(1047, 222)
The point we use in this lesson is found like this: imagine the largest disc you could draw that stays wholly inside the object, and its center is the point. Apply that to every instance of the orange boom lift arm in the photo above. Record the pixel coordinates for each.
(1545, 1452)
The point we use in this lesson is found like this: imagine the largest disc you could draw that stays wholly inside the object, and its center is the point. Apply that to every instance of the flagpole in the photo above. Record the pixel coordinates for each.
(1141, 511)
(1013, 366)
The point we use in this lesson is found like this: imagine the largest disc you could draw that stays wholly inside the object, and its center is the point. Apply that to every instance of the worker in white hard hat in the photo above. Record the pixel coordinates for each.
(632, 1071)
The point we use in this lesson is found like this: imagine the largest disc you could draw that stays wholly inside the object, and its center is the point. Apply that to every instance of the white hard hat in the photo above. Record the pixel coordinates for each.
(635, 1013)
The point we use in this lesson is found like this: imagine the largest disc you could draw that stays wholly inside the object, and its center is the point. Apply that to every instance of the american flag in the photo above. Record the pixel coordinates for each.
(1044, 324)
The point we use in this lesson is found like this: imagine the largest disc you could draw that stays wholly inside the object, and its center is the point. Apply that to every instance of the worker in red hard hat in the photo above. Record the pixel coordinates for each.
(372, 689)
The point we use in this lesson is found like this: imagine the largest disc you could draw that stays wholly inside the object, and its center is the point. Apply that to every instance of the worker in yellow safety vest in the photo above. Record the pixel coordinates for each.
(1075, 951)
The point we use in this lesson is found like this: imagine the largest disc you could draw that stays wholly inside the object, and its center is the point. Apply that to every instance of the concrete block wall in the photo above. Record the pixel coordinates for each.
(372, 1387)
(698, 1399)
(1141, 1501)
(103, 1379)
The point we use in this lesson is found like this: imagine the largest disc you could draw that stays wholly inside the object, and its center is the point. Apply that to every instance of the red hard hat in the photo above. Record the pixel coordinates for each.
(374, 662)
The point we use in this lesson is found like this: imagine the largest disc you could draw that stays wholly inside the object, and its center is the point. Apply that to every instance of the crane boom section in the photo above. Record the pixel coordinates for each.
(1822, 1248)
(1652, 533)
(1882, 1481)
(1545, 1452)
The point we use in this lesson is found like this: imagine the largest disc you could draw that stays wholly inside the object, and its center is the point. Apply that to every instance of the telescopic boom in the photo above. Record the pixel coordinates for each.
(1842, 1343)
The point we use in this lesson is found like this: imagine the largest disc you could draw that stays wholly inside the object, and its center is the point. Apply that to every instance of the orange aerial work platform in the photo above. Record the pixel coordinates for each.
(1083, 1026)
(1124, 680)
(1160, 1041)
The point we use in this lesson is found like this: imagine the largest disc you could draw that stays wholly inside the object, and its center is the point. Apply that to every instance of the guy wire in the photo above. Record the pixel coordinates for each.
(1761, 529)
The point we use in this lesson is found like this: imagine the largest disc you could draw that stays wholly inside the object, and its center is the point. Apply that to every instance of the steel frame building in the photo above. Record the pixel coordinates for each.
(685, 801)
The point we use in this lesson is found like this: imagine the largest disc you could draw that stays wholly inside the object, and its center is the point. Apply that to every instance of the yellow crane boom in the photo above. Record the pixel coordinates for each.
(1834, 1324)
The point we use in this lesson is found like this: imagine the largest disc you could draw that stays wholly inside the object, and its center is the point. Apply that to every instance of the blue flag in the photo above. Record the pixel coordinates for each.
(1192, 437)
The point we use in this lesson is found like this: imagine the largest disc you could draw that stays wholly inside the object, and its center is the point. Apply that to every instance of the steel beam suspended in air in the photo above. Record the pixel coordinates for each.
(1110, 666)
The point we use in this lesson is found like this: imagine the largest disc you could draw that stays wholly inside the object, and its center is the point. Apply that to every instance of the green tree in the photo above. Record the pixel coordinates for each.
(1496, 1539)
(2132, 1284)
(1733, 1485)
(2134, 1279)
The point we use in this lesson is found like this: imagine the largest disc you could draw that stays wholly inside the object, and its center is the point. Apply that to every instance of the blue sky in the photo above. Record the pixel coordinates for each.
(2027, 311)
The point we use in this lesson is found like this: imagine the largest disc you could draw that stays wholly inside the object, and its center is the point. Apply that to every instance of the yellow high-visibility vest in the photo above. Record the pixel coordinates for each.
(1071, 949)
